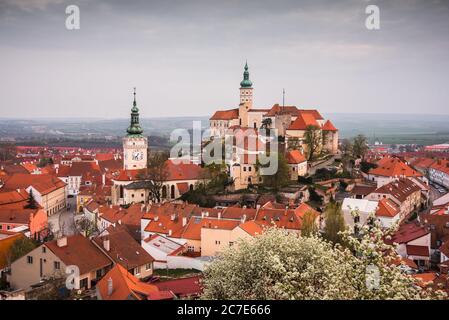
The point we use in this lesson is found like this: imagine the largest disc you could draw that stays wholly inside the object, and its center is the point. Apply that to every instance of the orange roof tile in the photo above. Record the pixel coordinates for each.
(252, 228)
(387, 208)
(295, 157)
(80, 252)
(303, 121)
(125, 286)
(393, 167)
(226, 115)
(329, 126)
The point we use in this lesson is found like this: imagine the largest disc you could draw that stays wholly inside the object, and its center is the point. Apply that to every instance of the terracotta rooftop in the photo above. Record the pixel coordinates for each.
(80, 252)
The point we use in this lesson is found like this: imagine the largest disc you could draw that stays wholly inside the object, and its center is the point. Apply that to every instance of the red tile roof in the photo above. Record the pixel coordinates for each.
(400, 189)
(421, 251)
(387, 208)
(226, 115)
(303, 121)
(276, 109)
(295, 157)
(183, 171)
(393, 167)
(43, 183)
(127, 175)
(125, 286)
(408, 232)
(441, 165)
(80, 252)
(329, 126)
(17, 216)
(123, 249)
(183, 287)
(252, 228)
(14, 196)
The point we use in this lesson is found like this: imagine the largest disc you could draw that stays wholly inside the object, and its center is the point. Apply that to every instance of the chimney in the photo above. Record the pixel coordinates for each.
(184, 221)
(219, 214)
(61, 242)
(110, 287)
(103, 179)
(106, 244)
(243, 218)
(172, 217)
(169, 232)
(202, 214)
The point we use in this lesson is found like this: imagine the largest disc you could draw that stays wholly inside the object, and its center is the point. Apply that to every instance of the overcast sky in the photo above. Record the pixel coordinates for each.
(186, 57)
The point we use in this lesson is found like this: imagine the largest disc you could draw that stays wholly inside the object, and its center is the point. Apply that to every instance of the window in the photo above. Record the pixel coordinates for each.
(8, 227)
(231, 243)
(30, 259)
(44, 249)
(83, 283)
(249, 168)
(190, 248)
(57, 265)
(217, 242)
(148, 266)
(244, 168)
(136, 271)
(99, 273)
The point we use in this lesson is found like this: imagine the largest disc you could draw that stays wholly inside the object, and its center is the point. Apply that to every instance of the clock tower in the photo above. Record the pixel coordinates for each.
(135, 145)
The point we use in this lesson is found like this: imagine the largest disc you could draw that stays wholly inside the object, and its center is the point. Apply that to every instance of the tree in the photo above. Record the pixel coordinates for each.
(20, 247)
(312, 140)
(294, 144)
(31, 202)
(44, 162)
(367, 166)
(309, 227)
(7, 151)
(334, 223)
(359, 146)
(156, 173)
(280, 265)
(266, 123)
(85, 226)
(282, 176)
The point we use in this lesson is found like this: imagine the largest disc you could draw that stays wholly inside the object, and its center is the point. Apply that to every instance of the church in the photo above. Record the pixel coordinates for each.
(128, 188)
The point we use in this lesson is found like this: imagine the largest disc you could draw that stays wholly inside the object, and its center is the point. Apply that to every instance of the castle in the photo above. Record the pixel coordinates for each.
(290, 121)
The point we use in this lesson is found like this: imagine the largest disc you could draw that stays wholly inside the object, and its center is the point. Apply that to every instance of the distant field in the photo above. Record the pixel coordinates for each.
(388, 128)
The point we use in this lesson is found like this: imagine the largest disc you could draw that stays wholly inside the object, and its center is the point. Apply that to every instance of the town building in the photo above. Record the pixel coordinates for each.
(51, 259)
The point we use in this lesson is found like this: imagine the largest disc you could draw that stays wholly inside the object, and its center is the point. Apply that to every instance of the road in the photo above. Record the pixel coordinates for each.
(63, 221)
(311, 171)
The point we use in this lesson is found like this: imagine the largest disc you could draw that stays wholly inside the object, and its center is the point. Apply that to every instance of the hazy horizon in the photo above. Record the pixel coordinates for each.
(186, 58)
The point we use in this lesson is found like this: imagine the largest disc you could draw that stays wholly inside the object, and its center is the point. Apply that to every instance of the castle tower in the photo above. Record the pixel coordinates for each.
(246, 88)
(135, 145)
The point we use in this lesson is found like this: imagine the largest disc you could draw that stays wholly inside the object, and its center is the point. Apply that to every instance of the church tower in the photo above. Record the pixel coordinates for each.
(246, 88)
(135, 145)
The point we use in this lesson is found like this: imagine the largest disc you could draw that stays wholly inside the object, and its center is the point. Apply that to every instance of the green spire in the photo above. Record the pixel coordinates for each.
(134, 129)
(246, 83)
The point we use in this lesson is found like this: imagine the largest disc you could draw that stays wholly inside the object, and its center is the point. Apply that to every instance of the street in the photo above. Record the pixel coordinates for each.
(63, 221)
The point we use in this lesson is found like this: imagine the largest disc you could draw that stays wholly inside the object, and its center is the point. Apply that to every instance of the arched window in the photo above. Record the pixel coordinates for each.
(164, 192)
(172, 192)
(191, 187)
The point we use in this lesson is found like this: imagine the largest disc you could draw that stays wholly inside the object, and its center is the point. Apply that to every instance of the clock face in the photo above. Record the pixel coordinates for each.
(137, 155)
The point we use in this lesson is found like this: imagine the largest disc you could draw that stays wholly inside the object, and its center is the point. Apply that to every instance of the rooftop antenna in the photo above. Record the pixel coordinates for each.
(283, 99)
